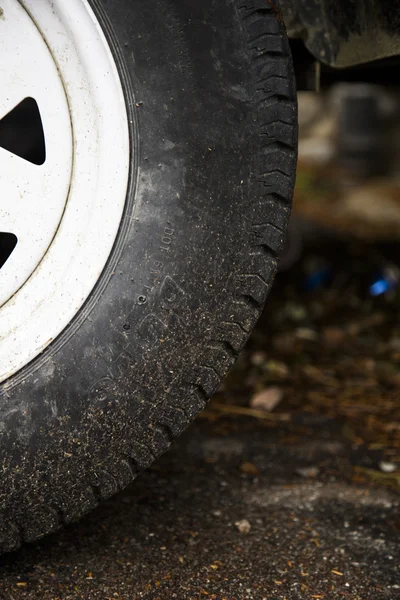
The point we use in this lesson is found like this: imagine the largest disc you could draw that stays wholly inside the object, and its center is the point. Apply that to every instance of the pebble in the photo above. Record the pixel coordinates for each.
(268, 399)
(308, 471)
(306, 334)
(243, 526)
(296, 312)
(258, 358)
(387, 467)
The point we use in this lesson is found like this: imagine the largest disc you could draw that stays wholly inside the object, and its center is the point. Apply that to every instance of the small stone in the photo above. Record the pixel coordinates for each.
(243, 526)
(387, 467)
(306, 334)
(268, 399)
(308, 472)
(296, 312)
(258, 358)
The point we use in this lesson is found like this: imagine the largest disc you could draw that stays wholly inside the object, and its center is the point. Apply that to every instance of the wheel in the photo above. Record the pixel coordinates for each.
(148, 154)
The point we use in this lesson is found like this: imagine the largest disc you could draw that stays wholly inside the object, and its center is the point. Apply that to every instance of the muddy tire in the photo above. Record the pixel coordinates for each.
(211, 104)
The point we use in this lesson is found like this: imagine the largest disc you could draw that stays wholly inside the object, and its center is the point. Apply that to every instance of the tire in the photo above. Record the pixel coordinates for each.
(211, 102)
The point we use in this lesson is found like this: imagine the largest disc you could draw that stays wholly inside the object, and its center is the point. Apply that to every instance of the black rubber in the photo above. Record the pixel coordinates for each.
(211, 98)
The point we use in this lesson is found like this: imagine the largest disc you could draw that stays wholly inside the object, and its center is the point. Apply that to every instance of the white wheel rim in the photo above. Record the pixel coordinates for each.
(66, 212)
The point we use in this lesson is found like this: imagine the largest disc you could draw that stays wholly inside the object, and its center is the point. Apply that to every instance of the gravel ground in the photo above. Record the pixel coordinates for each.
(206, 524)
(286, 487)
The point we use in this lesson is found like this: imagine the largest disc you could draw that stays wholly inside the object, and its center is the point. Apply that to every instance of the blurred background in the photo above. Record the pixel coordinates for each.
(328, 342)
